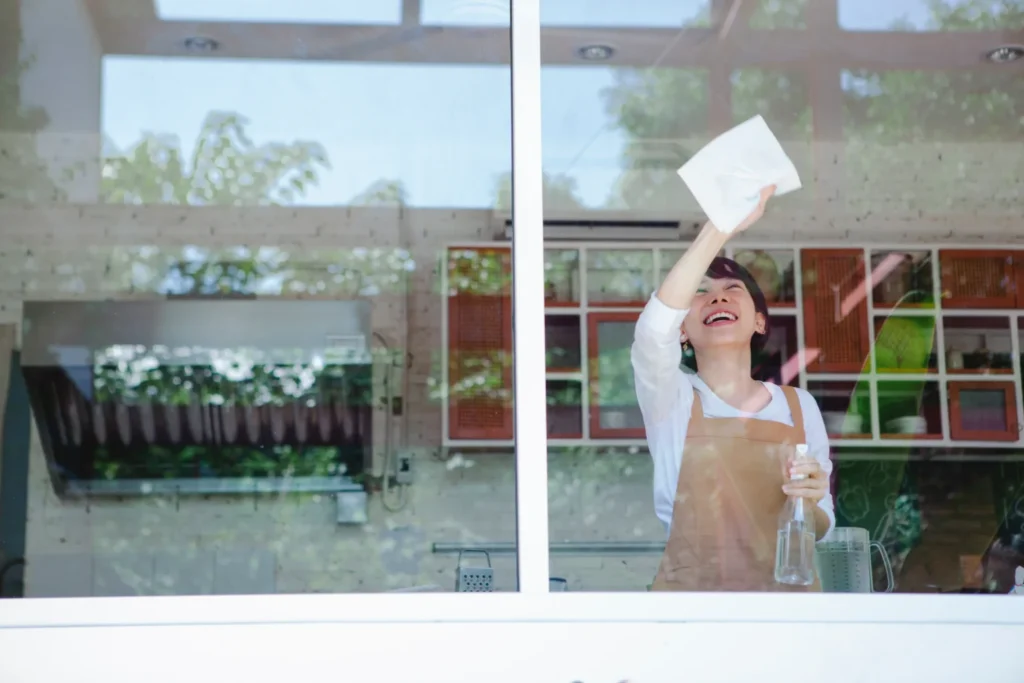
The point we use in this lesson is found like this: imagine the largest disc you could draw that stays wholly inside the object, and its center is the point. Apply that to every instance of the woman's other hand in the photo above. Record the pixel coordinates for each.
(814, 485)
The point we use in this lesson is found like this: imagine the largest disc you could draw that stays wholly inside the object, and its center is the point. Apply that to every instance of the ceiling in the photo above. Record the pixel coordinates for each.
(132, 27)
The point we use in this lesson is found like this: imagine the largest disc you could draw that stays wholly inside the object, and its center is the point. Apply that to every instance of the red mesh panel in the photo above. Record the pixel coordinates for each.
(977, 279)
(480, 358)
(835, 309)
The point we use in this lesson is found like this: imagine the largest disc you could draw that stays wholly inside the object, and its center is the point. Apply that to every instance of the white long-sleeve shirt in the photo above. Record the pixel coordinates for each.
(665, 394)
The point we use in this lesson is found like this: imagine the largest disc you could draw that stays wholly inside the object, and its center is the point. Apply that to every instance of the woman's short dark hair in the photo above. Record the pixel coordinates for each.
(725, 268)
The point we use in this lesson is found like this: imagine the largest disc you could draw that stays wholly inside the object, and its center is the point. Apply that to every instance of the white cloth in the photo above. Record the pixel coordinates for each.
(665, 394)
(726, 176)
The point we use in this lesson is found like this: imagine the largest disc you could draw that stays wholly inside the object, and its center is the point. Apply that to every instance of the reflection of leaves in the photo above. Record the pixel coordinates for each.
(559, 192)
(479, 272)
(663, 112)
(617, 275)
(226, 168)
(779, 14)
(382, 193)
(23, 175)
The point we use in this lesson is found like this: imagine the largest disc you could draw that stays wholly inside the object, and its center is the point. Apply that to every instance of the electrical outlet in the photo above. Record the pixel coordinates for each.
(403, 470)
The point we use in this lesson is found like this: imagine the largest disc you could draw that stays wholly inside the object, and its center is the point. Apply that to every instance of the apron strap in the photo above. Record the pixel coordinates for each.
(696, 415)
(793, 399)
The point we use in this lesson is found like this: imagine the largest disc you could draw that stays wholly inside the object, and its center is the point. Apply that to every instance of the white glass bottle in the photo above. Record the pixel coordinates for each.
(794, 550)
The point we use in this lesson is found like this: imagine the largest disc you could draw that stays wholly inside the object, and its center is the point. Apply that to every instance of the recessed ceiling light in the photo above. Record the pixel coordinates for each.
(201, 44)
(1005, 54)
(596, 53)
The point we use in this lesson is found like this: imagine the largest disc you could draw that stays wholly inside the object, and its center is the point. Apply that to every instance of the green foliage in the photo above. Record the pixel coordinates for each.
(226, 168)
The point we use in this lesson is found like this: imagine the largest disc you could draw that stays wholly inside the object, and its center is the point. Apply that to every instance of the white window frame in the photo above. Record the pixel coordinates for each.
(575, 636)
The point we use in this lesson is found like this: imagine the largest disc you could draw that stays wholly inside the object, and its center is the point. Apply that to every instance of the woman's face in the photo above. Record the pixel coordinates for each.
(722, 315)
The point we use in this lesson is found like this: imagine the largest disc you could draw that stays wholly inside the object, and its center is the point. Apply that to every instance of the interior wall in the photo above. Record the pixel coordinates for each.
(292, 543)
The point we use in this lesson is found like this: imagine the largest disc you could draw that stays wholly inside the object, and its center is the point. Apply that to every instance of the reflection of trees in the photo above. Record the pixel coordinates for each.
(560, 192)
(225, 168)
(228, 168)
(23, 175)
(664, 111)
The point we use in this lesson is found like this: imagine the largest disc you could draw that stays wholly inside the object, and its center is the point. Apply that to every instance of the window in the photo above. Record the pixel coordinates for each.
(263, 337)
(245, 357)
(906, 387)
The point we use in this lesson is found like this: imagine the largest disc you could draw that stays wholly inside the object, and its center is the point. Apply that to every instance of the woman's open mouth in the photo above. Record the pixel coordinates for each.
(719, 318)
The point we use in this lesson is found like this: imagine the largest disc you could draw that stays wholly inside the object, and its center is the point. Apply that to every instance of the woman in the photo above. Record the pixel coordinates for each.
(723, 443)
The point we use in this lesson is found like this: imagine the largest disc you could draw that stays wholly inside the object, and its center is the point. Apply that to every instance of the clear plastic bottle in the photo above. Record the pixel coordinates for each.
(794, 550)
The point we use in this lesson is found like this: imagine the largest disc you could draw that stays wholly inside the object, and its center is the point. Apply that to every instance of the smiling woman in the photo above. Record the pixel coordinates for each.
(724, 445)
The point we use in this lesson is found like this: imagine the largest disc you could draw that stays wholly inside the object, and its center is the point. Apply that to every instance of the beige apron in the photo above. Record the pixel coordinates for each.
(728, 500)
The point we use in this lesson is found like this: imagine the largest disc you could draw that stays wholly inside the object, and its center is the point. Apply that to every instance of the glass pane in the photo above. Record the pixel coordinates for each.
(845, 408)
(778, 360)
(896, 140)
(619, 277)
(772, 270)
(782, 97)
(562, 337)
(904, 124)
(668, 258)
(565, 409)
(615, 410)
(925, 15)
(266, 346)
(909, 410)
(977, 345)
(631, 154)
(905, 344)
(561, 277)
(983, 409)
(902, 279)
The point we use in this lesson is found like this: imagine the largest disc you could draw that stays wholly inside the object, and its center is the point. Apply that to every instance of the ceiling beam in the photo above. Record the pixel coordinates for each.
(689, 48)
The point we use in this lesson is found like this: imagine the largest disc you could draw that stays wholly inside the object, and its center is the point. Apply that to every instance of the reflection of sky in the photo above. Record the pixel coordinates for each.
(444, 131)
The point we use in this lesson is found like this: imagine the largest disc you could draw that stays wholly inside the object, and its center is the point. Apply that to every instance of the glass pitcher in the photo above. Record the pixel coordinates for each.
(844, 562)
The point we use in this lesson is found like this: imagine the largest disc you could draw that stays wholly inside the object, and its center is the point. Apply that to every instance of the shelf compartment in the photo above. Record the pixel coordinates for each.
(978, 278)
(982, 411)
(902, 279)
(909, 409)
(614, 412)
(979, 345)
(561, 278)
(772, 270)
(905, 344)
(845, 407)
(619, 277)
(778, 361)
(835, 310)
(562, 342)
(565, 409)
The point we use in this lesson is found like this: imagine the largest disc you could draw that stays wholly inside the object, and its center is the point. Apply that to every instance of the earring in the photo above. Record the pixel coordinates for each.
(687, 348)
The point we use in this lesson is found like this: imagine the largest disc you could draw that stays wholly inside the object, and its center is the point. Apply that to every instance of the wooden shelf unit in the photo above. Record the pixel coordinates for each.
(854, 326)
